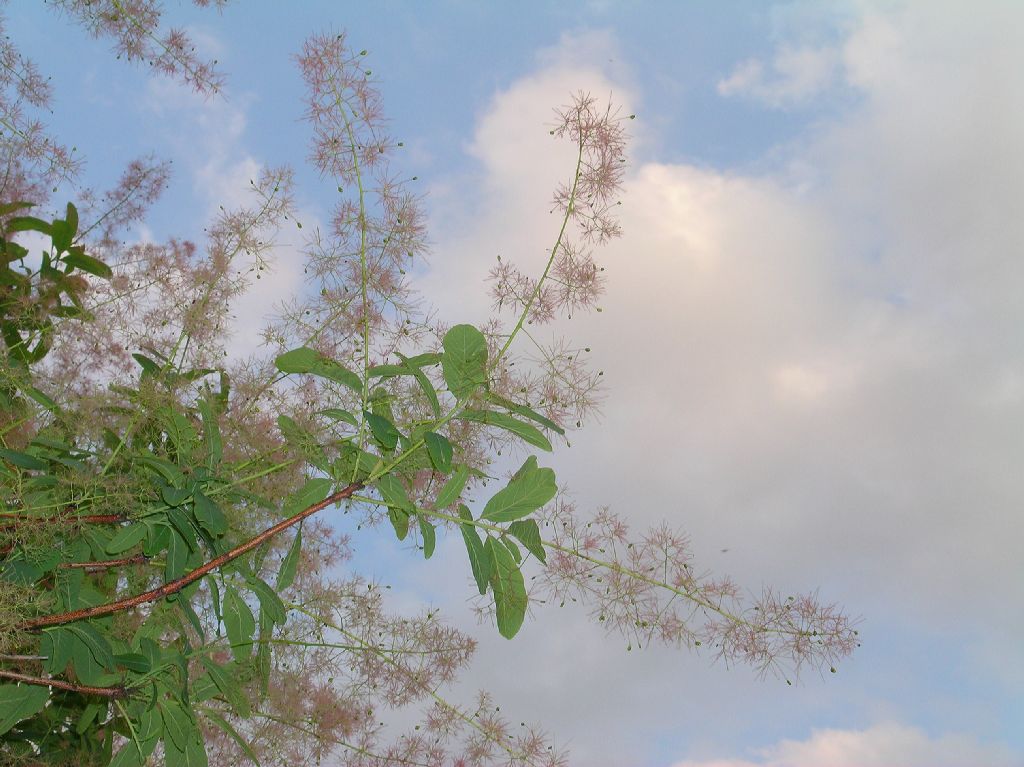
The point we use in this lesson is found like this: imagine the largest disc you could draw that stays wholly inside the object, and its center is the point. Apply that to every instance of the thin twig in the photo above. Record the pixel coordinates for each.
(13, 520)
(105, 564)
(114, 693)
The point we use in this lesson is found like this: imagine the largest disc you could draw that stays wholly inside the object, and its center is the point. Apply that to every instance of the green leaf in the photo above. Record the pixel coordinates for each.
(148, 366)
(383, 430)
(314, 491)
(528, 490)
(28, 224)
(57, 645)
(521, 429)
(89, 714)
(393, 492)
(71, 312)
(399, 506)
(464, 362)
(440, 451)
(517, 555)
(87, 668)
(452, 488)
(388, 371)
(239, 622)
(354, 463)
(60, 235)
(178, 723)
(510, 599)
(340, 415)
(429, 538)
(133, 661)
(164, 468)
(127, 756)
(126, 538)
(223, 723)
(41, 398)
(175, 496)
(263, 655)
(9, 207)
(421, 360)
(228, 686)
(177, 557)
(291, 431)
(270, 602)
(209, 515)
(97, 644)
(528, 533)
(211, 435)
(158, 536)
(525, 411)
(286, 573)
(22, 460)
(303, 441)
(184, 745)
(426, 385)
(480, 559)
(87, 263)
(411, 367)
(19, 702)
(306, 360)
(149, 729)
(215, 599)
(72, 219)
(185, 605)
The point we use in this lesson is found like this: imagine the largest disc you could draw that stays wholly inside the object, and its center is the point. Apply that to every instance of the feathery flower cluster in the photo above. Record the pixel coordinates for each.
(648, 590)
(134, 26)
(360, 309)
(590, 198)
(555, 377)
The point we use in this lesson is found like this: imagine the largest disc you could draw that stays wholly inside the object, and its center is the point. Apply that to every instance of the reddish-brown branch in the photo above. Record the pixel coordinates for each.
(113, 693)
(105, 564)
(173, 587)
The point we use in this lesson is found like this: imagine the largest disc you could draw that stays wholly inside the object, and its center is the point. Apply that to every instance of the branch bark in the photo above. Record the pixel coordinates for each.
(173, 587)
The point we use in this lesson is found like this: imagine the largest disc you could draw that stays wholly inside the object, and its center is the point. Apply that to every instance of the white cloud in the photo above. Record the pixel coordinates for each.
(885, 294)
(797, 74)
(884, 745)
(823, 377)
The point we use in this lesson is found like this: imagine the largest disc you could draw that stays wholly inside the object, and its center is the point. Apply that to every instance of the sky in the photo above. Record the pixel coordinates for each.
(812, 337)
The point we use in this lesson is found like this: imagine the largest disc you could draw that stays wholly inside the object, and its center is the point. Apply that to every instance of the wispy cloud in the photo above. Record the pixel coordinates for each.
(795, 75)
(884, 745)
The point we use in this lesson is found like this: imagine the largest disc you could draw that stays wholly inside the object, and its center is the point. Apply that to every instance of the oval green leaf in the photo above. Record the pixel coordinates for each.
(528, 490)
(464, 362)
(440, 451)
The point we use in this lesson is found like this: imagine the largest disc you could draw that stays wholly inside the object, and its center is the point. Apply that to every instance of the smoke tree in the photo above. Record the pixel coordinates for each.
(170, 587)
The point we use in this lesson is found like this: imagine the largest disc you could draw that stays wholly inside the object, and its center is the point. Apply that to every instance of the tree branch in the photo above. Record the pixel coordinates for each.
(114, 693)
(173, 587)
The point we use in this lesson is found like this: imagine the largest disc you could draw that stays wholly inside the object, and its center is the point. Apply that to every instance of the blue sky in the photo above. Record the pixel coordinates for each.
(813, 334)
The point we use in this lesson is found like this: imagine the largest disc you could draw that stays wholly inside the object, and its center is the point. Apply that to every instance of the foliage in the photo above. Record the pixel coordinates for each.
(166, 588)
